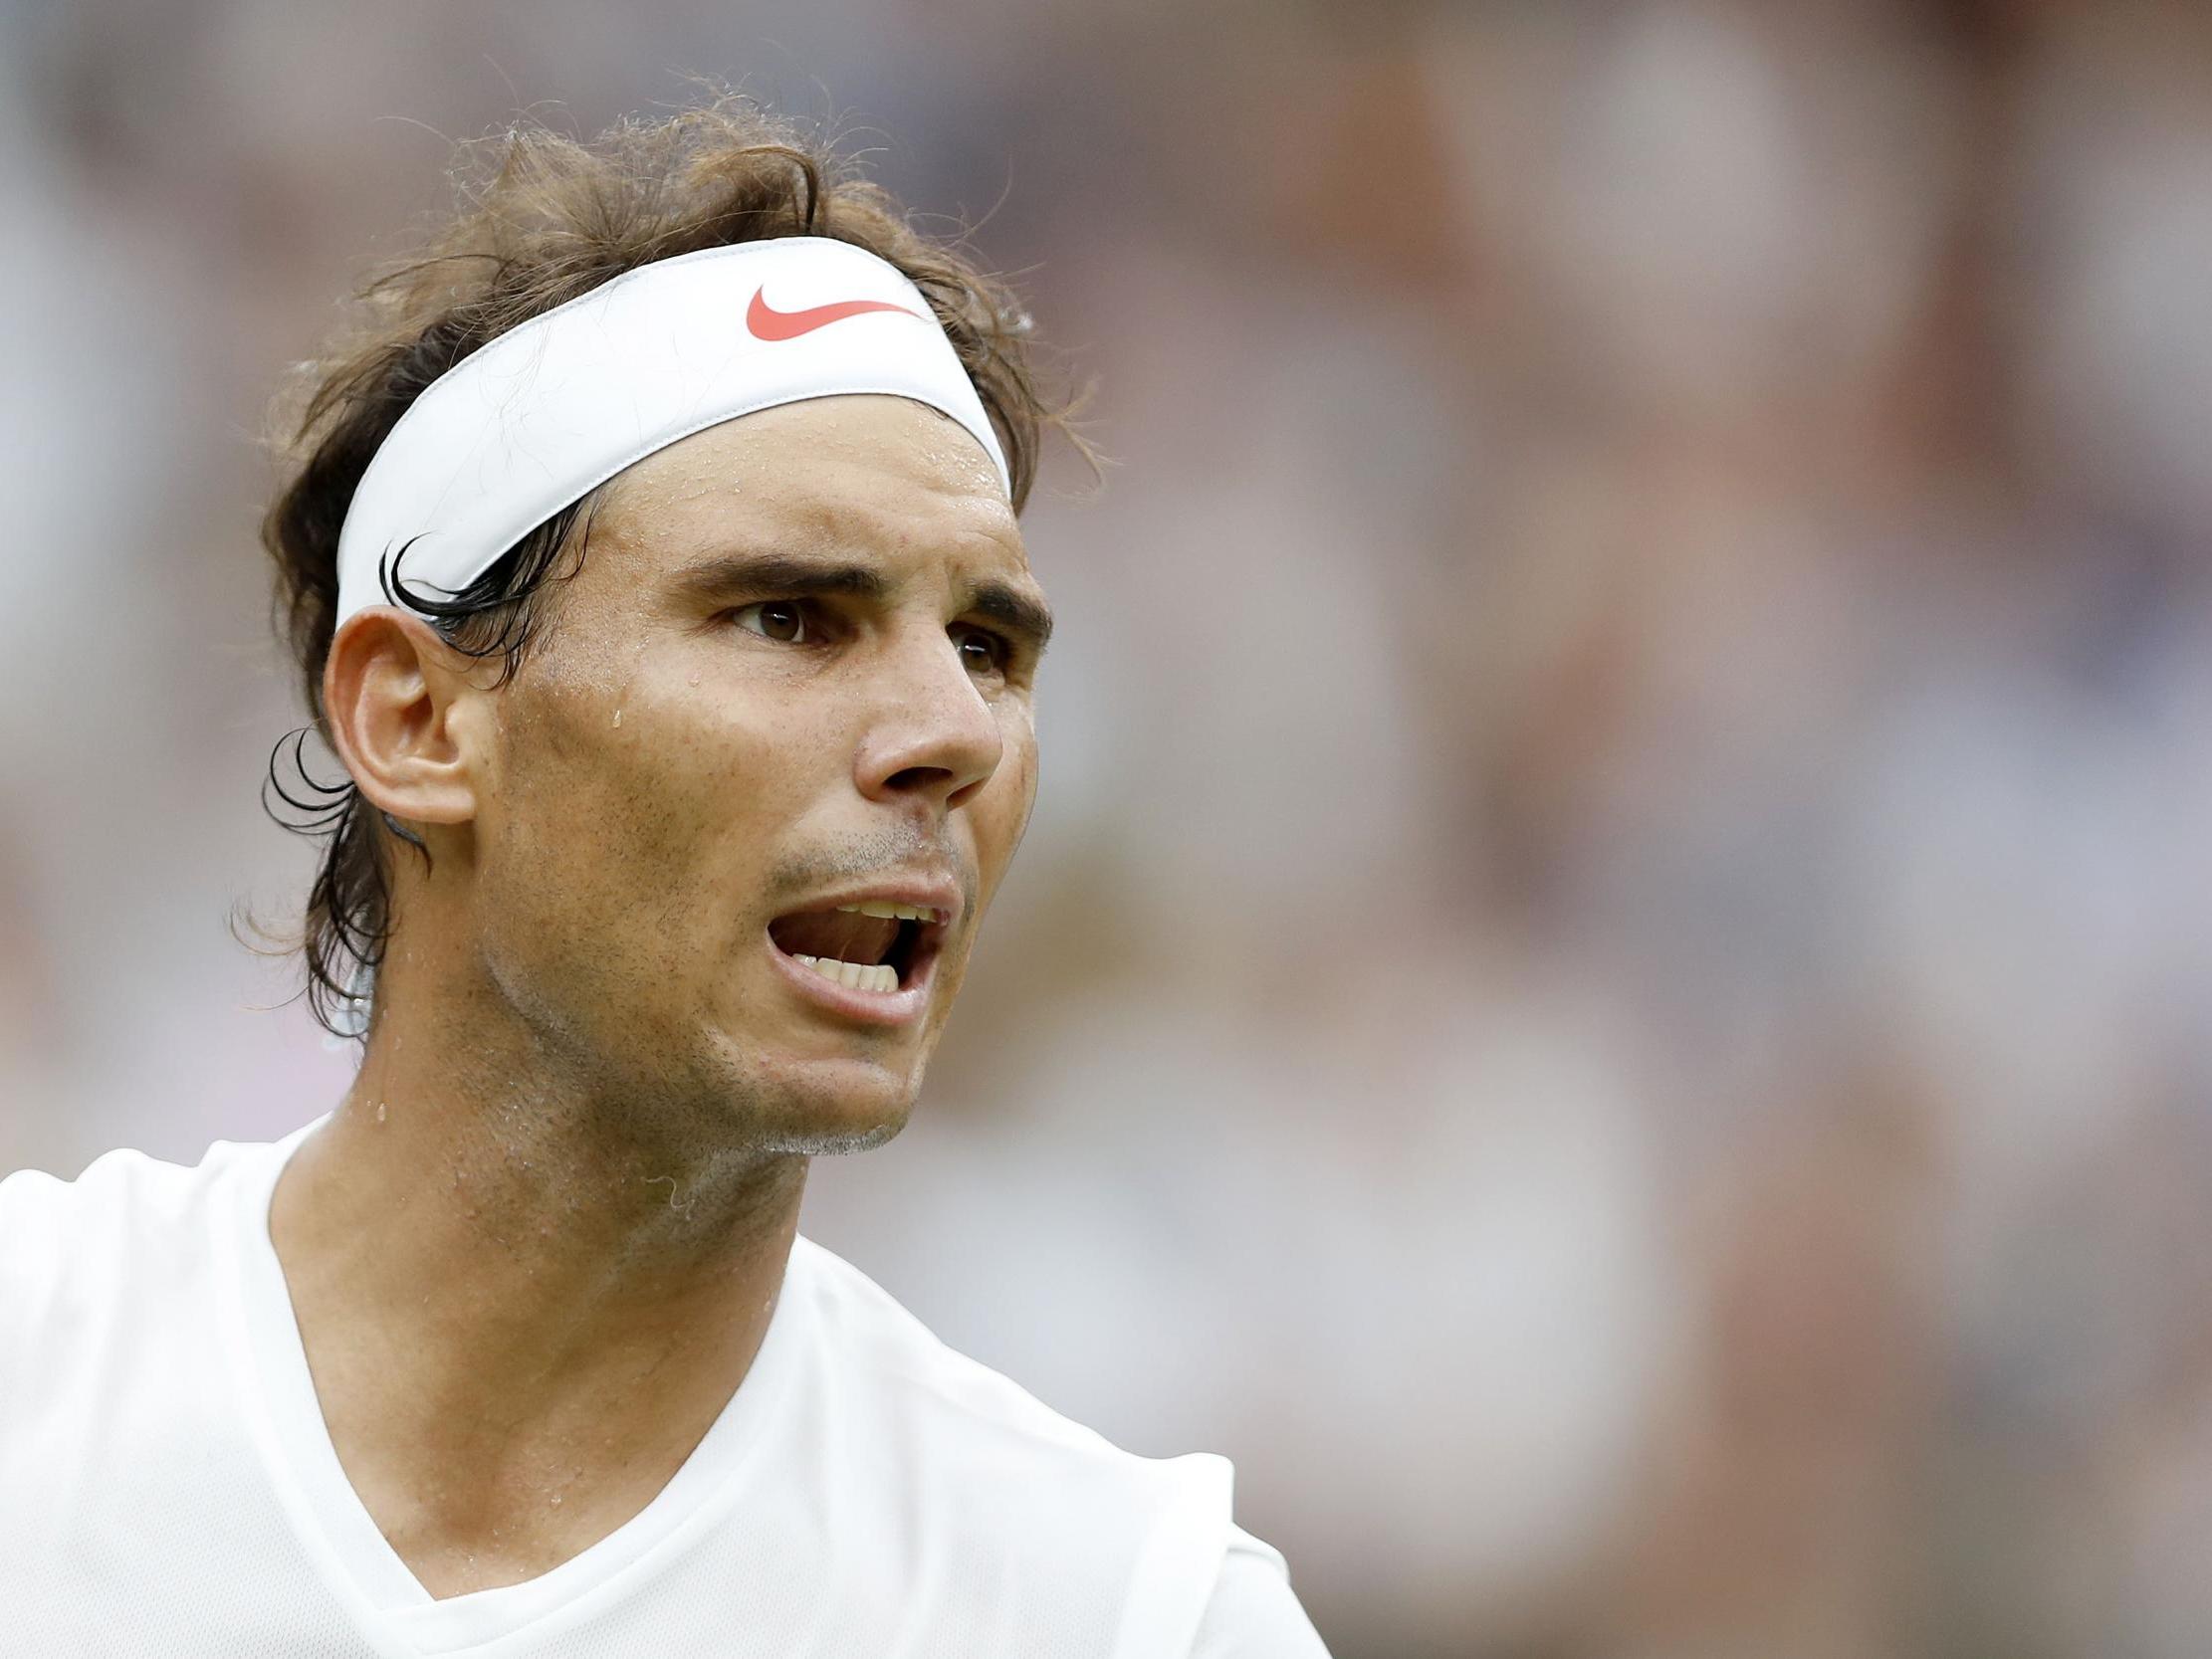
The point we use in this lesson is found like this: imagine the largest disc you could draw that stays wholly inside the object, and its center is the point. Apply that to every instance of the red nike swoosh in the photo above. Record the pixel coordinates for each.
(769, 323)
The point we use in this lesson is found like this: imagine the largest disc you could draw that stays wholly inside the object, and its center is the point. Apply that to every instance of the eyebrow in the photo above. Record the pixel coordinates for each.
(789, 575)
(1015, 611)
(780, 574)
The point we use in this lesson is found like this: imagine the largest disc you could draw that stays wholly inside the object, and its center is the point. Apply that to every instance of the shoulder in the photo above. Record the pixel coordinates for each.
(45, 1218)
(906, 1370)
(116, 1190)
(1019, 1492)
(1253, 1613)
(70, 1248)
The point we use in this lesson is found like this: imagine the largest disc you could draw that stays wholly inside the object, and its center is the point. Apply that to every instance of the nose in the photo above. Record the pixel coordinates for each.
(933, 738)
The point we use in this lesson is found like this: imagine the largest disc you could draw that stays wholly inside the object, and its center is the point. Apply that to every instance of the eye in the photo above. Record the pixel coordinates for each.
(981, 651)
(781, 620)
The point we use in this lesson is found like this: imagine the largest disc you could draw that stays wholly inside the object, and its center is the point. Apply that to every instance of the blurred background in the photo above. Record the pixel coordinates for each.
(1609, 987)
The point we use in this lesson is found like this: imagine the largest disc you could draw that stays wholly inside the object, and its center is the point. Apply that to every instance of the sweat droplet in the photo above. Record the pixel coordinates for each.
(380, 1111)
(617, 717)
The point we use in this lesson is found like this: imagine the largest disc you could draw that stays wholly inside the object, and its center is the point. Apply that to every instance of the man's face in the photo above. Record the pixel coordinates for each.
(792, 676)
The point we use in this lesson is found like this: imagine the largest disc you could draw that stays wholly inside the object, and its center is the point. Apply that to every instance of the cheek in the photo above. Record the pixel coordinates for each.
(1002, 812)
(649, 823)
(712, 790)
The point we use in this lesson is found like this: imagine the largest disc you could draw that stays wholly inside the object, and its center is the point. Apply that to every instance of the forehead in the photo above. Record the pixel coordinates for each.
(874, 476)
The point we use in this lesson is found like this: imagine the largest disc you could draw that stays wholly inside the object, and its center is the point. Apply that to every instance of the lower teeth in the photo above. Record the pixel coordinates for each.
(862, 976)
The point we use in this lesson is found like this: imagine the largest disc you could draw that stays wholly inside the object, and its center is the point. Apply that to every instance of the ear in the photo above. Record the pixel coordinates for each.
(402, 715)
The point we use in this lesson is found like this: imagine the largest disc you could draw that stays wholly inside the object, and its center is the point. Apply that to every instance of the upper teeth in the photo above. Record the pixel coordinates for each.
(895, 913)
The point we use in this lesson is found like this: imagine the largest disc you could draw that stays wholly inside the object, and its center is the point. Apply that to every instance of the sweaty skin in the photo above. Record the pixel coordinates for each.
(533, 1251)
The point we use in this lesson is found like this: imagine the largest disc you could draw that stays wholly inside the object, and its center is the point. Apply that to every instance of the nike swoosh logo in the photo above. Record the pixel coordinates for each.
(769, 323)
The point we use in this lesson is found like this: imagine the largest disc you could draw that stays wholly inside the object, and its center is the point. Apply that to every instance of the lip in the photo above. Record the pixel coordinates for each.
(939, 892)
(903, 1006)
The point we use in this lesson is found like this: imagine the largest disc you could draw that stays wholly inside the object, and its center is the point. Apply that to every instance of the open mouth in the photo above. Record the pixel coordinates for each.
(874, 946)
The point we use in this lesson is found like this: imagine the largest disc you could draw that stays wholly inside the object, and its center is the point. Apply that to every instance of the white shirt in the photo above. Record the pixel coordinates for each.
(167, 1485)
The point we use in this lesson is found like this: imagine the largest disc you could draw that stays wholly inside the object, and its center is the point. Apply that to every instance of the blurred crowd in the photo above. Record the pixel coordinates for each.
(1608, 986)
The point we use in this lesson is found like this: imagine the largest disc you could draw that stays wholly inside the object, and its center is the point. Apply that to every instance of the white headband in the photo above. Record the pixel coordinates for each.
(543, 415)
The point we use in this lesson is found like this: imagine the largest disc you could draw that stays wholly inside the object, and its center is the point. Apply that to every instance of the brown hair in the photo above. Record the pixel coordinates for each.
(543, 217)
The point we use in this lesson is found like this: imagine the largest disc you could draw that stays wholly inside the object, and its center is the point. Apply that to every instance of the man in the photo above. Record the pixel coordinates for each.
(654, 570)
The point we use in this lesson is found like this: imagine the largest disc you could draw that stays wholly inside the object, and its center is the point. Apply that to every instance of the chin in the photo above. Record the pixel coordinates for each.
(828, 1108)
(828, 1135)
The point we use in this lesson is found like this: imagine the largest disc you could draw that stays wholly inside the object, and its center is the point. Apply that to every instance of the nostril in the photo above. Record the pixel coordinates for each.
(916, 779)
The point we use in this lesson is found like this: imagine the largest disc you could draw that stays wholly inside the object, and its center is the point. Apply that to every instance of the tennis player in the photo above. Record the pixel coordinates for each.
(652, 563)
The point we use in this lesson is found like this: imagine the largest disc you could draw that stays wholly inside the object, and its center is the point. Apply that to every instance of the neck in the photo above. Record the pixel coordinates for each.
(494, 1266)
